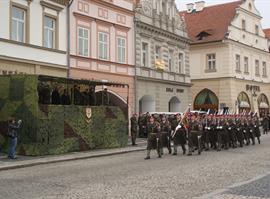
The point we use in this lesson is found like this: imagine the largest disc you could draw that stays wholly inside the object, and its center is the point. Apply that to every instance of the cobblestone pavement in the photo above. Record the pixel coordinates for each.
(130, 176)
(258, 188)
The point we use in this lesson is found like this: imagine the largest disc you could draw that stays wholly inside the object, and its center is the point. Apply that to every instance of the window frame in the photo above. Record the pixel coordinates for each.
(83, 39)
(237, 62)
(55, 31)
(264, 69)
(25, 25)
(171, 61)
(246, 65)
(211, 60)
(107, 44)
(159, 54)
(257, 67)
(181, 69)
(256, 29)
(243, 24)
(146, 52)
(123, 59)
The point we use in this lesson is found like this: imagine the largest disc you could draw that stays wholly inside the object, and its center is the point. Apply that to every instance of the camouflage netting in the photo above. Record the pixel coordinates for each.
(56, 129)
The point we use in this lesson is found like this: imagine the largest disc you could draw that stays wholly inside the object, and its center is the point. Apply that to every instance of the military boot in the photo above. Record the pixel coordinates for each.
(147, 155)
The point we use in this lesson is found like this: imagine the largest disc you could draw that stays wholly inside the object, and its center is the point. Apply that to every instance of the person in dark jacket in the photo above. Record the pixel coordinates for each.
(65, 98)
(13, 128)
(56, 96)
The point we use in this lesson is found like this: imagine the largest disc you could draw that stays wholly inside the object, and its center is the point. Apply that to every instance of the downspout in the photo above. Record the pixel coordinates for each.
(135, 63)
(68, 36)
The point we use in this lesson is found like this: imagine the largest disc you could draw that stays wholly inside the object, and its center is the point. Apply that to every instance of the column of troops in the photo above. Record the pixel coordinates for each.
(198, 132)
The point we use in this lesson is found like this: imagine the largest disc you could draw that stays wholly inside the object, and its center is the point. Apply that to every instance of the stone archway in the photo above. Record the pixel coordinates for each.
(206, 99)
(263, 104)
(243, 103)
(147, 104)
(174, 104)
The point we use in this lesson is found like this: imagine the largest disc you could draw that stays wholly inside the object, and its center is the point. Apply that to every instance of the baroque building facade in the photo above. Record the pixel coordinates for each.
(162, 76)
(229, 57)
(33, 37)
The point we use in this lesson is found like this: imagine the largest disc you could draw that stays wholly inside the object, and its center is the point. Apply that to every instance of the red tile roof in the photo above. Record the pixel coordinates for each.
(267, 33)
(211, 23)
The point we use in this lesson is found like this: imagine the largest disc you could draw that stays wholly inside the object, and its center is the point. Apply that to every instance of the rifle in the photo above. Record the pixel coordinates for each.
(179, 125)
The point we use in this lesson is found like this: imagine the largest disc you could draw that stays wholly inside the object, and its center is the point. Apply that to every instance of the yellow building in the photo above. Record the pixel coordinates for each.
(229, 57)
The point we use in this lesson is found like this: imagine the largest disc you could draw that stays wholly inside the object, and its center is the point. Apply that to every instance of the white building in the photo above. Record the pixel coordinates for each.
(229, 57)
(33, 37)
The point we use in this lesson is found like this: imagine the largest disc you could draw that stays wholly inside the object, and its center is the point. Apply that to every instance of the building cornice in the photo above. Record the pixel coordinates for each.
(175, 83)
(252, 47)
(102, 61)
(62, 2)
(32, 46)
(233, 78)
(27, 61)
(52, 5)
(162, 32)
(245, 31)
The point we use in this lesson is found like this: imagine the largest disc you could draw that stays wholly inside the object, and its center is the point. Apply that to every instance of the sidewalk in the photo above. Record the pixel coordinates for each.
(28, 161)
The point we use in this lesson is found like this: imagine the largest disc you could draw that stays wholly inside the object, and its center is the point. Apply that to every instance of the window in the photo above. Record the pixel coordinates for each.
(181, 63)
(158, 52)
(121, 49)
(18, 24)
(49, 32)
(83, 44)
(103, 47)
(257, 67)
(264, 69)
(144, 54)
(243, 24)
(246, 65)
(237, 63)
(211, 62)
(171, 61)
(256, 29)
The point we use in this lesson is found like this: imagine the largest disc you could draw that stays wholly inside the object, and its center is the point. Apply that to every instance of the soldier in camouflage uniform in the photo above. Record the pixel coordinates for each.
(165, 134)
(134, 128)
(154, 135)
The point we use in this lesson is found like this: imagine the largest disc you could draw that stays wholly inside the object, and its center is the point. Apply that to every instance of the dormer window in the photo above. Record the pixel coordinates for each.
(243, 24)
(204, 34)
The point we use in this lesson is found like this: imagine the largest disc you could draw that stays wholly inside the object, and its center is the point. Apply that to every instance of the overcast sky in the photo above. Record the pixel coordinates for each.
(262, 5)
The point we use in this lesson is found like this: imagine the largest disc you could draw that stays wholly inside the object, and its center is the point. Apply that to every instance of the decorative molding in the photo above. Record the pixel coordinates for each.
(51, 6)
(32, 46)
(62, 2)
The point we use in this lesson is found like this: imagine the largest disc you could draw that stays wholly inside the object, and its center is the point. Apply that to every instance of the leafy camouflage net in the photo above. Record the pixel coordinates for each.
(56, 129)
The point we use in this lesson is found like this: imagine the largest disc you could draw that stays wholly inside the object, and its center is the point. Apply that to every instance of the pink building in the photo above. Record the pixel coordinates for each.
(102, 44)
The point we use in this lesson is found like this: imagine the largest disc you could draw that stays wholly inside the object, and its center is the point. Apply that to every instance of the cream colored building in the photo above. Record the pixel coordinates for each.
(33, 37)
(229, 57)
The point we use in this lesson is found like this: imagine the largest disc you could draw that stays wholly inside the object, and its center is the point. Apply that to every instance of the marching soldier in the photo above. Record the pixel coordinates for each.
(166, 134)
(153, 141)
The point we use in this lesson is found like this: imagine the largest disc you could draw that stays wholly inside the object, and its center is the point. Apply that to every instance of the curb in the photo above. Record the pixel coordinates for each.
(43, 162)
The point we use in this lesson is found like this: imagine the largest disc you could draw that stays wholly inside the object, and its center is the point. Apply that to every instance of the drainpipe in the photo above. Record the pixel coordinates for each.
(135, 62)
(68, 36)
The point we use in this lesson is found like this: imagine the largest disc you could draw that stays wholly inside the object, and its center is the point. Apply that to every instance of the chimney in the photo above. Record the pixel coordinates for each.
(199, 5)
(190, 7)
